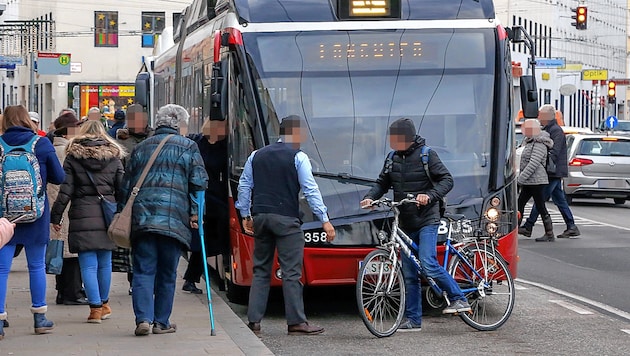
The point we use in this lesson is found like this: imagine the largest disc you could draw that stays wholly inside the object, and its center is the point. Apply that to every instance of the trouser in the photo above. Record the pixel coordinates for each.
(536, 192)
(155, 260)
(96, 271)
(554, 191)
(69, 283)
(284, 233)
(35, 258)
(426, 239)
(216, 232)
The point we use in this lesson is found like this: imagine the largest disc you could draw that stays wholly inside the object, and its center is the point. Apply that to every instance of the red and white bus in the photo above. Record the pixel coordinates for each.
(350, 68)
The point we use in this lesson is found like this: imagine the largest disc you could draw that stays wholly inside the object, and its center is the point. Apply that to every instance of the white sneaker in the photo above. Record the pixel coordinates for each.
(406, 325)
(458, 306)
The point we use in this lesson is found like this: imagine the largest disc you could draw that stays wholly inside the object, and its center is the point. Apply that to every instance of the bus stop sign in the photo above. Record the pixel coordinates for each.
(611, 122)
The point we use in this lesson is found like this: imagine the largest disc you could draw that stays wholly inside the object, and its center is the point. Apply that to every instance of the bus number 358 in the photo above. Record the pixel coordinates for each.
(314, 236)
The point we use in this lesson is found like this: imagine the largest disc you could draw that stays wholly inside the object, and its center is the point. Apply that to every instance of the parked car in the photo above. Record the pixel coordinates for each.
(622, 128)
(599, 167)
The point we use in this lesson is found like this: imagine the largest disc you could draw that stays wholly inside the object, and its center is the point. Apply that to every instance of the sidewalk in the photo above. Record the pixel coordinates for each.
(74, 336)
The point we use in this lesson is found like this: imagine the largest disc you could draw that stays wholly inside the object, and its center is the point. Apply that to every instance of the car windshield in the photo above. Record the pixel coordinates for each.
(350, 85)
(602, 147)
(623, 126)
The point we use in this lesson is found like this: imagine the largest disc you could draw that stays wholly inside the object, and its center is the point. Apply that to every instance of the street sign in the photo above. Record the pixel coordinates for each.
(595, 74)
(5, 60)
(53, 63)
(550, 62)
(76, 67)
(611, 122)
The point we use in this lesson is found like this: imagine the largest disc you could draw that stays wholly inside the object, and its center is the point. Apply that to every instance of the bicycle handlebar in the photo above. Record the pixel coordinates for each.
(410, 199)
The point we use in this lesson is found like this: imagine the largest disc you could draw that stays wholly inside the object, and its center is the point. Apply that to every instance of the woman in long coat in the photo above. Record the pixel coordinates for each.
(93, 153)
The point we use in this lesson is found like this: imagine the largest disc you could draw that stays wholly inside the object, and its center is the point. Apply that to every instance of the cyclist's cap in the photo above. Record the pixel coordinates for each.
(119, 115)
(288, 123)
(403, 127)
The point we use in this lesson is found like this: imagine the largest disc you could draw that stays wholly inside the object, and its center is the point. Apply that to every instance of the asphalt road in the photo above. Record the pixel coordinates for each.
(593, 266)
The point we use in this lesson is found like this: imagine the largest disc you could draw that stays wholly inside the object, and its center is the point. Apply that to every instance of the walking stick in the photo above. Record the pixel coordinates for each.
(200, 200)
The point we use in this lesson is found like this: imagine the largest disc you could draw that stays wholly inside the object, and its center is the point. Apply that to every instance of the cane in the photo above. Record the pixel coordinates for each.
(200, 200)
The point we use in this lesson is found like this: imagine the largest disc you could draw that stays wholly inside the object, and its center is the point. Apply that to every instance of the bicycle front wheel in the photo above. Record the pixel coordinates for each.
(492, 299)
(381, 293)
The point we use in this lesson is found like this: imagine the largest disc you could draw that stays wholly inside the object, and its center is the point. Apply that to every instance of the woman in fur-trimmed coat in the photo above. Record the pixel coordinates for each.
(94, 151)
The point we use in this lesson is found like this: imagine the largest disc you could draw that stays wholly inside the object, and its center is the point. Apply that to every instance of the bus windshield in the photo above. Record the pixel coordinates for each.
(350, 85)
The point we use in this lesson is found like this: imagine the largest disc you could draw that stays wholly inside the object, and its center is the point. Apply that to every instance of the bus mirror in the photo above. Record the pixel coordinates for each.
(219, 92)
(515, 34)
(529, 96)
(142, 89)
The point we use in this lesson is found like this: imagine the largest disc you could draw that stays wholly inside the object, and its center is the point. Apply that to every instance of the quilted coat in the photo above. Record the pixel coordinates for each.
(534, 159)
(163, 205)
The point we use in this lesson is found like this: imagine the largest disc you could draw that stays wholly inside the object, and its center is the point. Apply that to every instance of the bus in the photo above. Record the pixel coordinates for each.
(350, 68)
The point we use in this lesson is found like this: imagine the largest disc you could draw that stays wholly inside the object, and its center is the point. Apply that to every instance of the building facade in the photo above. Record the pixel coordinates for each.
(106, 41)
(602, 46)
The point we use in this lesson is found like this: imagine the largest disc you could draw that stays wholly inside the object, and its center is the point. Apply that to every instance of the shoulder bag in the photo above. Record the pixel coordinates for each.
(108, 207)
(119, 230)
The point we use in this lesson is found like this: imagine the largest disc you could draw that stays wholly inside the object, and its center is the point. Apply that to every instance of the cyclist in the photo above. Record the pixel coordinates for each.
(404, 171)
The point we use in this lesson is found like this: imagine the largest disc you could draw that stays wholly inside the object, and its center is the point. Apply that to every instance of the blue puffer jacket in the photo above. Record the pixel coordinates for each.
(163, 205)
(51, 171)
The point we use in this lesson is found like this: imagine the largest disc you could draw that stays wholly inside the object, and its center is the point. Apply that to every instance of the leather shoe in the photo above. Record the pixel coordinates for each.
(304, 329)
(254, 327)
(79, 301)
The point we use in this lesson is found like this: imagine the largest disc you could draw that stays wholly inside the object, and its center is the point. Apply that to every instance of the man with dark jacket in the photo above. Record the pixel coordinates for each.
(546, 116)
(272, 178)
(404, 171)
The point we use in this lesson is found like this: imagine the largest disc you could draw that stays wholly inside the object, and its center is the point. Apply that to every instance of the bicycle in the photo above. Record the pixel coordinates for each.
(475, 264)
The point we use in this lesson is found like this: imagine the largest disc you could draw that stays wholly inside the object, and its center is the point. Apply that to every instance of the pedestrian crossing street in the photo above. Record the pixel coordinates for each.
(557, 219)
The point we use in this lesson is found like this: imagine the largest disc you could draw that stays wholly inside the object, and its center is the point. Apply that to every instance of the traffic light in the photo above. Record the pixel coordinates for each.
(580, 17)
(612, 92)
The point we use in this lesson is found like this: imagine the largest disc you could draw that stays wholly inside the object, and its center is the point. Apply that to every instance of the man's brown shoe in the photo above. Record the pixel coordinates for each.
(254, 327)
(304, 329)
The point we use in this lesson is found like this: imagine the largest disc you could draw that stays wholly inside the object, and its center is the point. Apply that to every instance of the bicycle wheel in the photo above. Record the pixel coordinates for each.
(381, 293)
(491, 304)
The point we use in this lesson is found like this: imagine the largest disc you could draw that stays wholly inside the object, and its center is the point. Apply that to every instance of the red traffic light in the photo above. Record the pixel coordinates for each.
(581, 17)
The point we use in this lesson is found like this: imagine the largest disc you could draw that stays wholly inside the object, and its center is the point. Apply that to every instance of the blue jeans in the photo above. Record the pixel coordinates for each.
(554, 191)
(36, 259)
(155, 260)
(427, 254)
(96, 272)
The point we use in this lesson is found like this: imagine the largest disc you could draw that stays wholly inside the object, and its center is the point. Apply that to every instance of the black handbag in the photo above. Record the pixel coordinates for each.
(109, 208)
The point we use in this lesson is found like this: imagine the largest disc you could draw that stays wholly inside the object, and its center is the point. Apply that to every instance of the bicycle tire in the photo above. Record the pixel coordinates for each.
(380, 310)
(493, 309)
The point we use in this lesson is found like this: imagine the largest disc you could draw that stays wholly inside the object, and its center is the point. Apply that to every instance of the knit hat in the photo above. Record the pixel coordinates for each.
(171, 115)
(34, 116)
(403, 127)
(119, 115)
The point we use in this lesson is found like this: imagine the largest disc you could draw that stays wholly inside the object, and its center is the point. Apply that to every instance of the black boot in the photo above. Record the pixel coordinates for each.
(548, 224)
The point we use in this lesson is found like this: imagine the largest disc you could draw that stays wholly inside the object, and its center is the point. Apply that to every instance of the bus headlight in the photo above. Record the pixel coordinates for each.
(492, 214)
(495, 201)
(491, 228)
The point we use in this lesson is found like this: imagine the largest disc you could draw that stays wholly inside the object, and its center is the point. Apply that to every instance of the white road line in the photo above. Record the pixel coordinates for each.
(556, 217)
(595, 304)
(571, 307)
(519, 287)
(627, 331)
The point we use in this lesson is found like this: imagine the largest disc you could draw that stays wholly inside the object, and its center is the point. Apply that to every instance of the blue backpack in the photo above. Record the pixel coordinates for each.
(21, 186)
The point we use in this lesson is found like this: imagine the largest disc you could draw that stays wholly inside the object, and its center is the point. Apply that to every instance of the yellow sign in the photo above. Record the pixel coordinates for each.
(64, 59)
(595, 74)
(572, 67)
(545, 76)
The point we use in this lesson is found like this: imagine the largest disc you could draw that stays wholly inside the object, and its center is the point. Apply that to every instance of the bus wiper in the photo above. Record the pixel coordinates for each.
(345, 178)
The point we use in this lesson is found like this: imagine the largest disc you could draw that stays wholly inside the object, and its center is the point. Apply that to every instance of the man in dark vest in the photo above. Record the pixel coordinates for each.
(272, 178)
(405, 173)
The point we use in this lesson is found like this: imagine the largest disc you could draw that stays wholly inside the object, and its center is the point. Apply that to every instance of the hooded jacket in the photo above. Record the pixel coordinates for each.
(87, 229)
(163, 206)
(534, 159)
(406, 175)
(559, 151)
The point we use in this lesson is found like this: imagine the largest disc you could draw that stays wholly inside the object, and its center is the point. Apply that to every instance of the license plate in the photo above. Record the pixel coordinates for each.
(315, 237)
(374, 267)
(612, 183)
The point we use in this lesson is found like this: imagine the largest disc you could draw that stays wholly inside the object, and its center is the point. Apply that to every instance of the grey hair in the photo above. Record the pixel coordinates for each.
(94, 109)
(171, 115)
(548, 109)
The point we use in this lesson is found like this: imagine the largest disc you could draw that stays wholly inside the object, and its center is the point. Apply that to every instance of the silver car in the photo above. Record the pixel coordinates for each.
(599, 167)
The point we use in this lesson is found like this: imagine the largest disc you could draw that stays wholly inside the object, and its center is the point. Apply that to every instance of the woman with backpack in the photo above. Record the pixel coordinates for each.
(94, 171)
(32, 230)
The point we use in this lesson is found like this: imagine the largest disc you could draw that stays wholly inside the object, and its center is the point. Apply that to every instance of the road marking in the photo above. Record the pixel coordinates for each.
(610, 309)
(627, 331)
(556, 217)
(571, 307)
(519, 287)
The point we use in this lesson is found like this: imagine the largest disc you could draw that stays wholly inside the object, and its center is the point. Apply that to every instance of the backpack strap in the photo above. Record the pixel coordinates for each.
(389, 162)
(28, 147)
(425, 162)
